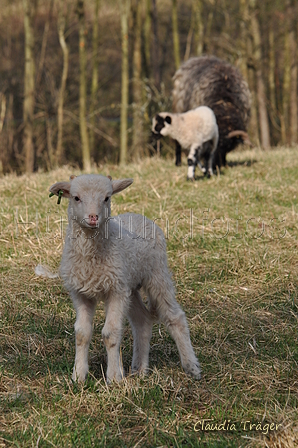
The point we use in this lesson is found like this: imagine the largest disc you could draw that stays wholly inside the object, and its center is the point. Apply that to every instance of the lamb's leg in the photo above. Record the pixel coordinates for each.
(192, 161)
(141, 324)
(178, 153)
(210, 165)
(170, 313)
(85, 309)
(115, 308)
(198, 161)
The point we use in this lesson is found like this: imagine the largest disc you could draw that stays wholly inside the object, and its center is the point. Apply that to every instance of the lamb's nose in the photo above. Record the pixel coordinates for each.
(93, 218)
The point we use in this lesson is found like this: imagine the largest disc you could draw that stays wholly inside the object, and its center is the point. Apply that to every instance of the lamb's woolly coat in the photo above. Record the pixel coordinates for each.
(110, 258)
(192, 129)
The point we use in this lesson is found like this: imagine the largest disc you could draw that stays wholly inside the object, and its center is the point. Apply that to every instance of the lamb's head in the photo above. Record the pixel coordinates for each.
(161, 125)
(90, 197)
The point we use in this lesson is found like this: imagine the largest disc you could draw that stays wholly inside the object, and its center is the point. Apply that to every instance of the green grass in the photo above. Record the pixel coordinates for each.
(232, 249)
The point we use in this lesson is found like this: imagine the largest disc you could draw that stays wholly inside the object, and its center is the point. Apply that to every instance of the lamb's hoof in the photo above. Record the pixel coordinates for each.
(193, 370)
(78, 378)
(178, 163)
(192, 179)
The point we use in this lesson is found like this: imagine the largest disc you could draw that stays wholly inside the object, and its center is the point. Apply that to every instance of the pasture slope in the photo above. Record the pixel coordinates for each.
(232, 248)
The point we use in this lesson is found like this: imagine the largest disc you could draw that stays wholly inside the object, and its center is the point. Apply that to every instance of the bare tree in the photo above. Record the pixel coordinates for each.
(156, 46)
(94, 84)
(261, 96)
(124, 10)
(197, 10)
(147, 36)
(61, 94)
(29, 87)
(293, 75)
(83, 88)
(176, 44)
(137, 136)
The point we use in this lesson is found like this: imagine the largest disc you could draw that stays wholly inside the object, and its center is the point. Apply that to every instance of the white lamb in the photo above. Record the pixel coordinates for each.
(110, 258)
(195, 130)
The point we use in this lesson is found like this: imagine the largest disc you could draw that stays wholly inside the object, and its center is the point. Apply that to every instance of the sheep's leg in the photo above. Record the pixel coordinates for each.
(141, 325)
(198, 161)
(85, 309)
(210, 165)
(178, 153)
(192, 161)
(212, 156)
(170, 313)
(115, 308)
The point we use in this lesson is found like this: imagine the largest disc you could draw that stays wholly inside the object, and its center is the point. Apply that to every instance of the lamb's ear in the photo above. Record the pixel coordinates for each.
(168, 119)
(64, 186)
(121, 184)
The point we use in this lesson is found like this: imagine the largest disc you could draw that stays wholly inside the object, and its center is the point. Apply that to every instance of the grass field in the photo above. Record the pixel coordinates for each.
(232, 248)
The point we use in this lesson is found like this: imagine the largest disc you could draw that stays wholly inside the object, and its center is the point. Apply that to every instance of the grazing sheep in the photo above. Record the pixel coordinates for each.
(110, 258)
(212, 82)
(195, 130)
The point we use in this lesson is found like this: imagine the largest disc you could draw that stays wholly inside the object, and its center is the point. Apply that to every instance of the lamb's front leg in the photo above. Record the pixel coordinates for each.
(85, 309)
(192, 162)
(112, 333)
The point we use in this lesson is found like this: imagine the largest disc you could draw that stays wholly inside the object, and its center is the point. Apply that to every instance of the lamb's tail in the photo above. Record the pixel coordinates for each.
(44, 271)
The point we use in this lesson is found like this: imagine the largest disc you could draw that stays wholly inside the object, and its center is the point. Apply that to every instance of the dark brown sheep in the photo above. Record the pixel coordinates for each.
(215, 83)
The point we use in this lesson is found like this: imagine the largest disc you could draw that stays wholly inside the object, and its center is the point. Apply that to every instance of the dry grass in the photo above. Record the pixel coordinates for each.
(238, 288)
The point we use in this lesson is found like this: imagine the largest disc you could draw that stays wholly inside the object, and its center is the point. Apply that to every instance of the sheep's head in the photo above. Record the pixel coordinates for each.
(161, 124)
(90, 197)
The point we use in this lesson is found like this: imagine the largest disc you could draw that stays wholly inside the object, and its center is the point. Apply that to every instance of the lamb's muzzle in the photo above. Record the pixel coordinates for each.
(110, 259)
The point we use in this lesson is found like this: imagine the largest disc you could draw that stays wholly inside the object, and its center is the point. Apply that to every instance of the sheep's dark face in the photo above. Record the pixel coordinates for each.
(159, 125)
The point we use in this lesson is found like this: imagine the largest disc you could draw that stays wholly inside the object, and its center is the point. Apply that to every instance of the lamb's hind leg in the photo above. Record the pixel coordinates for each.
(170, 313)
(141, 324)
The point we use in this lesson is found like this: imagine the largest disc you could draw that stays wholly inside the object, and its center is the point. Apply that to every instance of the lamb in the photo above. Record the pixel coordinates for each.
(210, 81)
(109, 259)
(195, 130)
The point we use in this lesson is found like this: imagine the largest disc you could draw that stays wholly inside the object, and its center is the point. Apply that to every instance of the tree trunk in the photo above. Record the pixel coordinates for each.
(61, 30)
(244, 38)
(261, 96)
(254, 122)
(286, 82)
(271, 78)
(147, 37)
(124, 9)
(137, 136)
(176, 45)
(83, 89)
(293, 80)
(94, 84)
(156, 46)
(199, 26)
(44, 44)
(29, 88)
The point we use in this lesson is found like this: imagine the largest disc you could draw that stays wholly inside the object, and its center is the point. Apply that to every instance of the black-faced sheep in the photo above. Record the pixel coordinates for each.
(195, 130)
(212, 82)
(109, 259)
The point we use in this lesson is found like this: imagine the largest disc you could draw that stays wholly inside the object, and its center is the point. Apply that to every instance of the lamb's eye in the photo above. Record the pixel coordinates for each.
(77, 198)
(107, 198)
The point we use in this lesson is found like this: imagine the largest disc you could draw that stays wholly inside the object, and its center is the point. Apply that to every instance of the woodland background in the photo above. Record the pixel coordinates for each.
(80, 81)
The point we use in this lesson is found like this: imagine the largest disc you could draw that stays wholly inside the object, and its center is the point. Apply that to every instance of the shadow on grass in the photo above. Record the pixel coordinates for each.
(247, 163)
